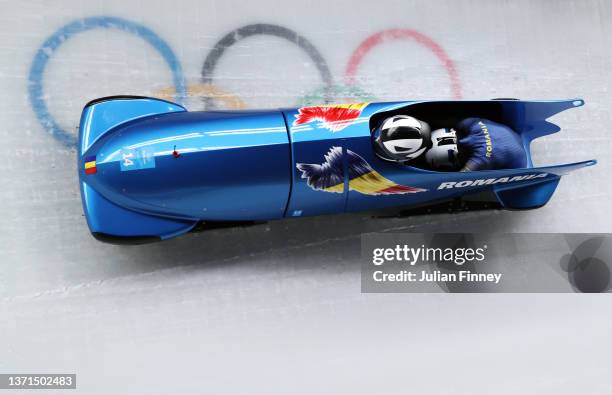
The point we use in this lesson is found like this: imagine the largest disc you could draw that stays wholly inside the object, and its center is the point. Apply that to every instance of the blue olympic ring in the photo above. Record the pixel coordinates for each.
(62, 35)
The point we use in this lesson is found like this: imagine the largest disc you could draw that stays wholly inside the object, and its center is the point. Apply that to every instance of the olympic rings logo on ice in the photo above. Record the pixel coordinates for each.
(209, 92)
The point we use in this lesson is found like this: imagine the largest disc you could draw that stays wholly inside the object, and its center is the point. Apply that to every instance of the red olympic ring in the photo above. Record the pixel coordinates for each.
(402, 34)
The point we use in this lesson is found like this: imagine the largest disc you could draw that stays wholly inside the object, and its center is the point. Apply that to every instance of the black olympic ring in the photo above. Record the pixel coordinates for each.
(256, 29)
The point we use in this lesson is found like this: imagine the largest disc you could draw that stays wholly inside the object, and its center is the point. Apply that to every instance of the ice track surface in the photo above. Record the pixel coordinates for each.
(277, 308)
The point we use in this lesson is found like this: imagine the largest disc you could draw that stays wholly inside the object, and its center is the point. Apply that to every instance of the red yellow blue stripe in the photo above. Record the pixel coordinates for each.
(90, 165)
(329, 176)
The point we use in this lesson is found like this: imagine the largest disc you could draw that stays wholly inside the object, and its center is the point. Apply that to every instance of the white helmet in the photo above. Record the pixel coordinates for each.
(401, 138)
(443, 154)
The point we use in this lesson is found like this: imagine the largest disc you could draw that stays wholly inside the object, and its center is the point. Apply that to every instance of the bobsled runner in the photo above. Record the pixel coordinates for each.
(151, 170)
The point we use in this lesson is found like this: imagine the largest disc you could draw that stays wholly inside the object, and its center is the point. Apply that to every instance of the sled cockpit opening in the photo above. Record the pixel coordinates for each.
(464, 135)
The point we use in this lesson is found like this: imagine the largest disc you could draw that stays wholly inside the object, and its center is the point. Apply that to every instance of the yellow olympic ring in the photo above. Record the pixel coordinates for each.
(231, 101)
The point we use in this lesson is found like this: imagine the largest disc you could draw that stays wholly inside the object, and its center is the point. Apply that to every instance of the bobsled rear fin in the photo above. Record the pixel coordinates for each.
(566, 168)
(529, 196)
(114, 224)
(535, 192)
(101, 115)
(529, 118)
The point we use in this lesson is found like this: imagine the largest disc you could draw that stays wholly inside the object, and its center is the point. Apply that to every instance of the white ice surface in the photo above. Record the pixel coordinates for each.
(277, 308)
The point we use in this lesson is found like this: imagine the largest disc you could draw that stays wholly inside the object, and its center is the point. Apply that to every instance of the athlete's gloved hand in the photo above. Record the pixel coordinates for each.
(488, 145)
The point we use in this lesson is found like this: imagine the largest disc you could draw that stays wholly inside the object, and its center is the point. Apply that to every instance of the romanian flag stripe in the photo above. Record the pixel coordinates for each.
(329, 175)
(373, 183)
(370, 183)
(90, 165)
(338, 188)
(399, 189)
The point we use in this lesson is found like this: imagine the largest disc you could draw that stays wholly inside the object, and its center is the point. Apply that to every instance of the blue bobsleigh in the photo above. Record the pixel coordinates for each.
(151, 170)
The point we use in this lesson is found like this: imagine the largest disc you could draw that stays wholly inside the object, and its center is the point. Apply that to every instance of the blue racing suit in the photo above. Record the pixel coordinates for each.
(487, 145)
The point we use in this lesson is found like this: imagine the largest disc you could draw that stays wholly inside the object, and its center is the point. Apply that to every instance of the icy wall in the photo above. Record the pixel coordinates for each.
(278, 306)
